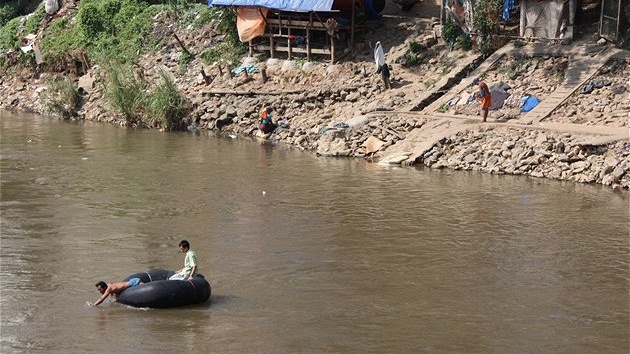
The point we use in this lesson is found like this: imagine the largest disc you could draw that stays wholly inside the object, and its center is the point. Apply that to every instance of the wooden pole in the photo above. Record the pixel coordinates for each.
(308, 43)
(205, 77)
(263, 73)
(182, 45)
(352, 27)
(289, 44)
(308, 36)
(272, 49)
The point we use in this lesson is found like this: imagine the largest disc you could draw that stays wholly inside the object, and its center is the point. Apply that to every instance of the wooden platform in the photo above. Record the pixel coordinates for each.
(283, 29)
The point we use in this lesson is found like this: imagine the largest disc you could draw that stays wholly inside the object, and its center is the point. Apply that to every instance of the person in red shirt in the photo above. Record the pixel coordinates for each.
(266, 124)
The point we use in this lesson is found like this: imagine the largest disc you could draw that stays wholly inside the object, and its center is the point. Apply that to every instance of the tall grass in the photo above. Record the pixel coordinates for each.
(161, 106)
(125, 92)
(166, 106)
(63, 98)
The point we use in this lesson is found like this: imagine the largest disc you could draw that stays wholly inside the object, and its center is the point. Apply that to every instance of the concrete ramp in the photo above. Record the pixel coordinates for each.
(581, 69)
(421, 140)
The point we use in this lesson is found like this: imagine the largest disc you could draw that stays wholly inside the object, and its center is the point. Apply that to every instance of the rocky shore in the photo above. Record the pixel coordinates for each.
(342, 109)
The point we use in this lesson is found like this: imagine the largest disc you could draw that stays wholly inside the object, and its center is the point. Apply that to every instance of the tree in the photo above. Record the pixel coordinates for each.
(486, 20)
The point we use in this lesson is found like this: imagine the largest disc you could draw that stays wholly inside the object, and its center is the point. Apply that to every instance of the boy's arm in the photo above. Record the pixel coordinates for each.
(102, 298)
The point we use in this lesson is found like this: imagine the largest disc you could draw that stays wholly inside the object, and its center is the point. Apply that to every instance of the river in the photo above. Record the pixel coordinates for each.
(304, 254)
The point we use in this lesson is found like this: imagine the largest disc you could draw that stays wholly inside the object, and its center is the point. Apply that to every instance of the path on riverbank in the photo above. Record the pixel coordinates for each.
(584, 62)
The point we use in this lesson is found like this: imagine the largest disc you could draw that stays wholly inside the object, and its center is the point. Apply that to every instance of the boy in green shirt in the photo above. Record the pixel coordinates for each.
(190, 263)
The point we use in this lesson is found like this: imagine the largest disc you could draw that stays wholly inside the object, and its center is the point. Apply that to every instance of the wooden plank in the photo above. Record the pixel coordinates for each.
(294, 49)
(250, 93)
(301, 24)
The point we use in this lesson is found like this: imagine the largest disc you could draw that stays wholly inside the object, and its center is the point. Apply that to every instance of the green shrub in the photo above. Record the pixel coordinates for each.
(232, 49)
(60, 39)
(10, 9)
(486, 22)
(8, 35)
(224, 52)
(465, 41)
(32, 23)
(112, 29)
(205, 16)
(7, 13)
(184, 59)
(226, 23)
(450, 32)
(63, 98)
(126, 93)
(134, 99)
(166, 106)
(415, 47)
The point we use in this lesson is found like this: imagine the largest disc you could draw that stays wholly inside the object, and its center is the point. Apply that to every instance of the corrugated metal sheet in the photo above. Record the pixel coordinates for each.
(286, 5)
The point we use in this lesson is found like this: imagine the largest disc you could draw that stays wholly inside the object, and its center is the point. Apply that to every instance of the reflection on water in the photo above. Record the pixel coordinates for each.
(304, 254)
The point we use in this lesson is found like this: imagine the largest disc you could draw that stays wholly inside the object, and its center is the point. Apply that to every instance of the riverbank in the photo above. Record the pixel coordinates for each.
(338, 109)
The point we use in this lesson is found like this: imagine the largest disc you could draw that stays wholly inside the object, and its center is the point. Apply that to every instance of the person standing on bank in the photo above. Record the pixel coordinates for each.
(384, 71)
(484, 95)
(190, 263)
(382, 67)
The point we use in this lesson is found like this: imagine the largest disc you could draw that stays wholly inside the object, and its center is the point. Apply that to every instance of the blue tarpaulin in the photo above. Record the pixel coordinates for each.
(508, 6)
(286, 5)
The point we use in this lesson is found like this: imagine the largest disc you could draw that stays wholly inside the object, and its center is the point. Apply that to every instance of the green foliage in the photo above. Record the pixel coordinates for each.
(134, 99)
(195, 12)
(226, 24)
(60, 38)
(125, 92)
(443, 107)
(166, 106)
(8, 35)
(7, 13)
(205, 16)
(113, 29)
(465, 41)
(184, 60)
(486, 22)
(232, 49)
(450, 31)
(224, 52)
(10, 9)
(410, 59)
(181, 11)
(18, 27)
(415, 47)
(63, 98)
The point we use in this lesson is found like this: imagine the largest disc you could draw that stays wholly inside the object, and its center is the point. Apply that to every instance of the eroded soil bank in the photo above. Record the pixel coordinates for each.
(333, 109)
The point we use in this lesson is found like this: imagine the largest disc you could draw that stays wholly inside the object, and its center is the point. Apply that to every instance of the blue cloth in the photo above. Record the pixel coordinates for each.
(530, 103)
(250, 69)
(133, 282)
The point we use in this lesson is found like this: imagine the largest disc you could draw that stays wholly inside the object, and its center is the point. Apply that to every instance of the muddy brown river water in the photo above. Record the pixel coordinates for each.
(304, 254)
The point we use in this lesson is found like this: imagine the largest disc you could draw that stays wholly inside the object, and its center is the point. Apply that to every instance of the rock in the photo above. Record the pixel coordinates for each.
(394, 160)
(618, 172)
